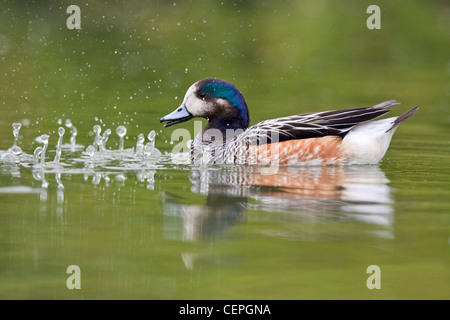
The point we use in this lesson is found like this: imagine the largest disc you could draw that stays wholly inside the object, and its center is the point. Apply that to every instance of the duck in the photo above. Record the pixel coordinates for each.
(336, 137)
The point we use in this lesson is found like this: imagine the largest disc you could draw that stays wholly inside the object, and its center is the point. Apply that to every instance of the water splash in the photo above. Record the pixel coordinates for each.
(11, 155)
(98, 138)
(151, 137)
(73, 146)
(15, 149)
(73, 131)
(121, 131)
(104, 139)
(95, 159)
(149, 150)
(37, 155)
(90, 151)
(44, 139)
(61, 132)
(140, 144)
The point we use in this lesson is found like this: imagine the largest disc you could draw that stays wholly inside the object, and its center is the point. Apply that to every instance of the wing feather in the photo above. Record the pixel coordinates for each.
(312, 125)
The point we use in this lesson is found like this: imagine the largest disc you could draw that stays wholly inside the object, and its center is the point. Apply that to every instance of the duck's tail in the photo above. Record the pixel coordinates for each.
(403, 117)
(368, 142)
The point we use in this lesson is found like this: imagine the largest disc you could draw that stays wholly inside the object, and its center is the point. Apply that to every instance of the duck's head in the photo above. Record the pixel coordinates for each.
(216, 100)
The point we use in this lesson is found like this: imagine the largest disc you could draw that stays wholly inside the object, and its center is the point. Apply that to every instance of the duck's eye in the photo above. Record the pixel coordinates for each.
(201, 95)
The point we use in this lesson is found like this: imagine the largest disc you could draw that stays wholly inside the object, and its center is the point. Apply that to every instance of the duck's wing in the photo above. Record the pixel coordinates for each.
(312, 125)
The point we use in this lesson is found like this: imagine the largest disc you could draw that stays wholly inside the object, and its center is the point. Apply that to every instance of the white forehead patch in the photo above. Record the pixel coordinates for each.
(195, 106)
(190, 92)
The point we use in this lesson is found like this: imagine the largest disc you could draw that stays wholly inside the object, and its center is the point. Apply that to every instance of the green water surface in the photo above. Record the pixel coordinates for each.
(158, 229)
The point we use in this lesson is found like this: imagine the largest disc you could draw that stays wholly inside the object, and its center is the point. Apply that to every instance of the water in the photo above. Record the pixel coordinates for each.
(106, 194)
(160, 224)
(61, 132)
(121, 132)
(15, 149)
(73, 146)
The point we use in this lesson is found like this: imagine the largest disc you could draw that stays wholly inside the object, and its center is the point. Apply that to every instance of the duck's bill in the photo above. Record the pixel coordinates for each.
(181, 114)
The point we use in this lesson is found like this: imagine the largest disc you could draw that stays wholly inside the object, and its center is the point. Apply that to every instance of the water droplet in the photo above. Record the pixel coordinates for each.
(16, 128)
(151, 136)
(140, 144)
(44, 139)
(97, 129)
(73, 131)
(61, 131)
(36, 154)
(121, 132)
(90, 150)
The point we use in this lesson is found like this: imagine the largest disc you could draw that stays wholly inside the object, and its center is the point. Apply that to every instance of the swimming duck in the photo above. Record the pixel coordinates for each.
(338, 137)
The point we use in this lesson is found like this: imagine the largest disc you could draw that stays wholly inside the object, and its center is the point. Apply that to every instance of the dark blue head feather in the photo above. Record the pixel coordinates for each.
(225, 90)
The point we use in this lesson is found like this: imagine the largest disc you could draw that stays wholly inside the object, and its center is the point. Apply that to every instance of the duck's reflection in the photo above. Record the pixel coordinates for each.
(203, 221)
(356, 194)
